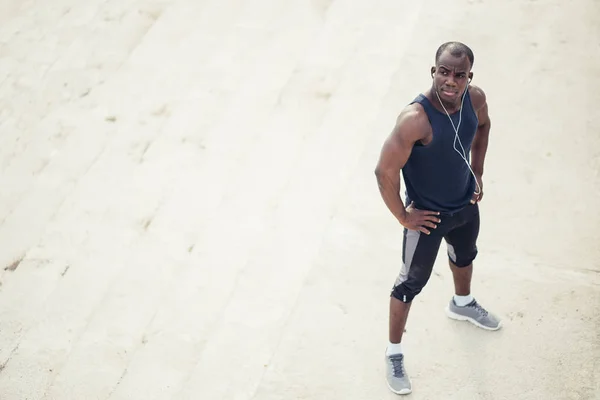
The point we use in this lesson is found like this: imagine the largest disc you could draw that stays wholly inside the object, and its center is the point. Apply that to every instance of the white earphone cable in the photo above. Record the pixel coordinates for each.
(456, 128)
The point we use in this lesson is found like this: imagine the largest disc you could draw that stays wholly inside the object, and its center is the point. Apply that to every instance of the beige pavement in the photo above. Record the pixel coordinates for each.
(189, 209)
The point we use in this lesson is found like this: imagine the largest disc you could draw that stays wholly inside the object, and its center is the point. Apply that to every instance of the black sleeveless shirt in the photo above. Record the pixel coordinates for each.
(436, 176)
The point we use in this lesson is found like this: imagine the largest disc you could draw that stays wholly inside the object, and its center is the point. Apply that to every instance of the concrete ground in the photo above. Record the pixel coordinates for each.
(189, 211)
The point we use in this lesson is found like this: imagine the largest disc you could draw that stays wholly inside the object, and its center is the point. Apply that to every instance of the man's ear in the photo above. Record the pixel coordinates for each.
(432, 71)
(470, 76)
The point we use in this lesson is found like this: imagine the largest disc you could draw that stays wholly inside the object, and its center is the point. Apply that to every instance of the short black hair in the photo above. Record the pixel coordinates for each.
(457, 49)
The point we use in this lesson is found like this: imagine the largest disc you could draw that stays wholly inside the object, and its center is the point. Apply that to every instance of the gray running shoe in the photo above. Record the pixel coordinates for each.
(397, 379)
(475, 314)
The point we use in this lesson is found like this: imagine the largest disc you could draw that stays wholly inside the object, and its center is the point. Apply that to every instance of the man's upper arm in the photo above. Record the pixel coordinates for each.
(398, 145)
(481, 106)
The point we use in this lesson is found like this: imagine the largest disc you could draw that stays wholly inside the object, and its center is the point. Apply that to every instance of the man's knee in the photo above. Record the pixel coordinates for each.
(462, 258)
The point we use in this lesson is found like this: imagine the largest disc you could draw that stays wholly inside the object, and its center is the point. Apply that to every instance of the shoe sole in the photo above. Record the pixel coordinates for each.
(459, 317)
(400, 392)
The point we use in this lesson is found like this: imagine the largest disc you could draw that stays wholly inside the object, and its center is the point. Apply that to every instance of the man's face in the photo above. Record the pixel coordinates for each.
(450, 76)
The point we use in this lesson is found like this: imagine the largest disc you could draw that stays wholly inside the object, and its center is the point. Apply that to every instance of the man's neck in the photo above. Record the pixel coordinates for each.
(450, 107)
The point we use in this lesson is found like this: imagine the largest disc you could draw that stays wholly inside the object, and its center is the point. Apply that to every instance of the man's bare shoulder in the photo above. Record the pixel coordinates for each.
(412, 123)
(478, 97)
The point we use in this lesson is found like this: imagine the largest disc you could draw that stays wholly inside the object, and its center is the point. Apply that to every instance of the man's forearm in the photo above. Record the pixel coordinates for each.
(479, 149)
(390, 192)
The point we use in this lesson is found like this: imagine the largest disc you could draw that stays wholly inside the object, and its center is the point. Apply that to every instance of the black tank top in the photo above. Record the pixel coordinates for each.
(436, 176)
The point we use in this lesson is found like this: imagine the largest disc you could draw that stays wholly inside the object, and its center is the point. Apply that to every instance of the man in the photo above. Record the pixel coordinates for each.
(432, 142)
